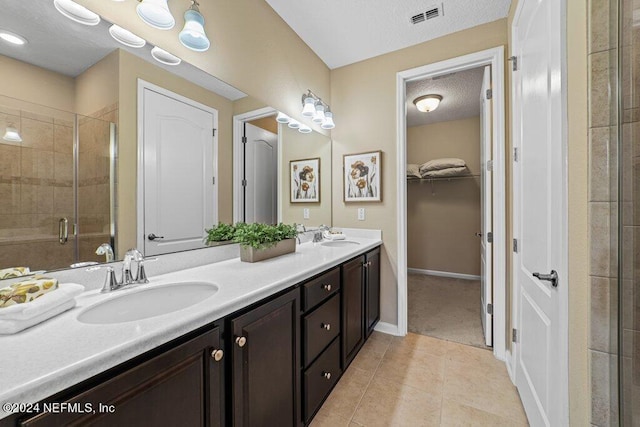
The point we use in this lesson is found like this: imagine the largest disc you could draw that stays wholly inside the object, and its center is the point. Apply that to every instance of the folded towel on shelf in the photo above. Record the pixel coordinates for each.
(64, 293)
(438, 164)
(26, 291)
(449, 172)
(11, 273)
(413, 171)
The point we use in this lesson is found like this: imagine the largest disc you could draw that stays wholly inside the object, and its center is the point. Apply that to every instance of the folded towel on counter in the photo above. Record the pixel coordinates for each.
(438, 164)
(413, 171)
(11, 273)
(12, 326)
(26, 291)
(66, 292)
(449, 172)
(334, 235)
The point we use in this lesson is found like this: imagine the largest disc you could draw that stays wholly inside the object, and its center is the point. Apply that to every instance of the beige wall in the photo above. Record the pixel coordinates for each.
(373, 83)
(443, 216)
(267, 123)
(97, 87)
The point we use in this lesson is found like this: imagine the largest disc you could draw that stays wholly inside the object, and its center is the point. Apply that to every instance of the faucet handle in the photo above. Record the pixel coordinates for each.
(110, 281)
(141, 276)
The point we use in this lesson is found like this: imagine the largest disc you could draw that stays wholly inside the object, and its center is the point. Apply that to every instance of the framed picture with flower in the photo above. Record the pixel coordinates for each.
(362, 177)
(305, 180)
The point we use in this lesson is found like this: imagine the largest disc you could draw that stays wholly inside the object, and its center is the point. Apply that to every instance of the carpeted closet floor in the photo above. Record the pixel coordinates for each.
(445, 308)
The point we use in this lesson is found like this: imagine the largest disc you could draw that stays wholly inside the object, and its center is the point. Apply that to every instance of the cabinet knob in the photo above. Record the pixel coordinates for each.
(327, 375)
(366, 264)
(217, 355)
(326, 326)
(326, 287)
(241, 341)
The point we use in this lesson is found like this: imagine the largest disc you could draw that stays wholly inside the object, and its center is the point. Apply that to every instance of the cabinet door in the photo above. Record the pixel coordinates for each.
(180, 387)
(352, 309)
(266, 364)
(372, 289)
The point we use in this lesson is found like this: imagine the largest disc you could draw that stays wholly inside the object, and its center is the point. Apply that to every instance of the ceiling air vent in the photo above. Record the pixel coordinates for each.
(431, 13)
(416, 19)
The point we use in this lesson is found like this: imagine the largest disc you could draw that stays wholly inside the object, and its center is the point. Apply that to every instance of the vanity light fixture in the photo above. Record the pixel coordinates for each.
(328, 120)
(156, 13)
(318, 117)
(164, 57)
(282, 118)
(313, 106)
(427, 103)
(11, 134)
(126, 37)
(304, 129)
(77, 13)
(308, 105)
(294, 124)
(192, 35)
(12, 38)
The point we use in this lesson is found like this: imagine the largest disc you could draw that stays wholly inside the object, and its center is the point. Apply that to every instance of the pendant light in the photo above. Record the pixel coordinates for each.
(192, 35)
(156, 13)
(427, 103)
(11, 134)
(328, 120)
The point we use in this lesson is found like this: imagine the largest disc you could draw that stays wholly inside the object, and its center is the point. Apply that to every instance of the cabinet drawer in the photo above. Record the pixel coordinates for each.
(321, 326)
(320, 378)
(320, 288)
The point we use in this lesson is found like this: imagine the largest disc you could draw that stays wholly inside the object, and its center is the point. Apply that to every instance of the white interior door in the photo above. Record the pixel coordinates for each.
(261, 175)
(539, 212)
(486, 185)
(178, 153)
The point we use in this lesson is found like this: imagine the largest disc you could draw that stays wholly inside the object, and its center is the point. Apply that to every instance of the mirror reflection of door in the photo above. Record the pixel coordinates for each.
(260, 173)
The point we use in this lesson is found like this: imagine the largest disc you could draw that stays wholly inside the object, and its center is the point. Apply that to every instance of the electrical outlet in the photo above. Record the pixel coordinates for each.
(360, 214)
(305, 213)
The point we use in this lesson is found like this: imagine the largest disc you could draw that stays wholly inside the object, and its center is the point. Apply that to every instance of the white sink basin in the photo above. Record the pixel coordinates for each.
(339, 243)
(148, 302)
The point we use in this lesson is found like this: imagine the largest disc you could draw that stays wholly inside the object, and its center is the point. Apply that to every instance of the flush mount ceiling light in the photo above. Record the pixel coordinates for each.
(328, 120)
(314, 106)
(294, 124)
(126, 37)
(164, 57)
(12, 38)
(77, 13)
(304, 129)
(156, 13)
(282, 118)
(11, 134)
(427, 103)
(192, 35)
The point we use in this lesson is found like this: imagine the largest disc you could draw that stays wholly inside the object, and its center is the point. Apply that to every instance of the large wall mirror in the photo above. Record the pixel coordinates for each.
(68, 181)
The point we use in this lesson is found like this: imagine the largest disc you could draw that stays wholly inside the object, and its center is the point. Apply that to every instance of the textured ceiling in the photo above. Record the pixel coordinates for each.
(460, 97)
(343, 32)
(61, 45)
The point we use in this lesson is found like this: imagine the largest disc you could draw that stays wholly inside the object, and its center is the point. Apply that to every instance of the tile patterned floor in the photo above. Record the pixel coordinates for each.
(422, 381)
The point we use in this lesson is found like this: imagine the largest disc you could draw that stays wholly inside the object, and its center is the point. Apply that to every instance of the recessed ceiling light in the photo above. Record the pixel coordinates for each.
(126, 37)
(77, 13)
(164, 57)
(12, 38)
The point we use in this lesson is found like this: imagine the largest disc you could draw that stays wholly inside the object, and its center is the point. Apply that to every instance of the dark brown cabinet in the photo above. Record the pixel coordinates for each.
(352, 309)
(372, 289)
(182, 386)
(265, 371)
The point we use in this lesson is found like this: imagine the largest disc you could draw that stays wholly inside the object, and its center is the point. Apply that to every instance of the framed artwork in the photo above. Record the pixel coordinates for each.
(305, 180)
(362, 177)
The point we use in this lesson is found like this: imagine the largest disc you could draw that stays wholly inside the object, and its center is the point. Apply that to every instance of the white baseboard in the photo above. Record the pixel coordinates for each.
(443, 274)
(387, 328)
(509, 367)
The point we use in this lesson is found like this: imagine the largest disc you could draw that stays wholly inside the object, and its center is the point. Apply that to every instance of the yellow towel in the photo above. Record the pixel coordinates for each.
(10, 273)
(26, 291)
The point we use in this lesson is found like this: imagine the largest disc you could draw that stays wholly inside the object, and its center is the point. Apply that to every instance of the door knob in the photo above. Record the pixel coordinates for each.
(154, 237)
(553, 277)
(217, 355)
(241, 341)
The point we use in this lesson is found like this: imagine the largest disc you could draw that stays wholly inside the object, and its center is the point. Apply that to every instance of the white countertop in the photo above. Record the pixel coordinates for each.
(52, 356)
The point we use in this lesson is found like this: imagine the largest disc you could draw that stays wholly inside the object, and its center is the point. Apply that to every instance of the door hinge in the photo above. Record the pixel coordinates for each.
(213, 180)
(514, 335)
(514, 62)
(244, 182)
(214, 132)
(515, 245)
(490, 309)
(244, 139)
(489, 94)
(490, 237)
(515, 154)
(490, 165)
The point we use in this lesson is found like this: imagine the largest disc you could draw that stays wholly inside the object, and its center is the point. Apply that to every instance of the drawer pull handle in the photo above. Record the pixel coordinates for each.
(326, 287)
(217, 355)
(327, 375)
(326, 326)
(241, 341)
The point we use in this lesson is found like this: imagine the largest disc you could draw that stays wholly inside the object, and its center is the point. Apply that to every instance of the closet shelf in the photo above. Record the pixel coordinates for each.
(442, 178)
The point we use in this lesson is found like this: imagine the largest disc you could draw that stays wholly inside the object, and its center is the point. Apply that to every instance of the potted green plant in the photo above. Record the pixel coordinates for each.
(262, 241)
(219, 233)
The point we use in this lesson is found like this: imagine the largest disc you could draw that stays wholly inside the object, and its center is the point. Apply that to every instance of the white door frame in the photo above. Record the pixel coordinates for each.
(495, 58)
(238, 122)
(142, 85)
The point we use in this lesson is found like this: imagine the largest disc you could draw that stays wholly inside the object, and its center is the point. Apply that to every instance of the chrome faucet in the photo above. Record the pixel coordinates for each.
(131, 255)
(112, 283)
(106, 250)
(318, 235)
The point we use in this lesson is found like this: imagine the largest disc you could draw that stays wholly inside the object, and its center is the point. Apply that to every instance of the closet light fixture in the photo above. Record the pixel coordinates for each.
(427, 103)
(304, 129)
(12, 38)
(282, 118)
(126, 37)
(294, 124)
(76, 13)
(314, 106)
(164, 57)
(11, 134)
(192, 35)
(156, 13)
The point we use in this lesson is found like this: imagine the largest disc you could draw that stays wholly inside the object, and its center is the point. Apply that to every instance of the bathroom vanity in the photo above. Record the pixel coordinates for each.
(266, 349)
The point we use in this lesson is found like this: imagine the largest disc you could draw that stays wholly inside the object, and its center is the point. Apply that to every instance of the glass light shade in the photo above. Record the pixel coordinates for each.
(427, 103)
(318, 116)
(164, 57)
(126, 37)
(156, 13)
(282, 118)
(328, 121)
(294, 124)
(304, 129)
(12, 38)
(309, 107)
(192, 35)
(12, 135)
(76, 13)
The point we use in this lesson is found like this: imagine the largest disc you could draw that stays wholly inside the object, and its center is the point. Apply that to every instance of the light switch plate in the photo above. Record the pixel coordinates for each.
(360, 214)
(305, 213)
